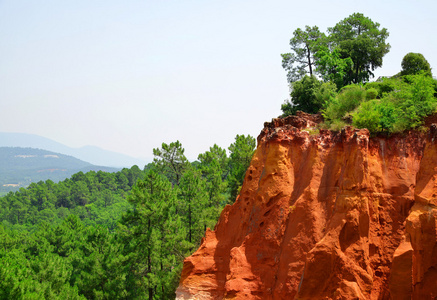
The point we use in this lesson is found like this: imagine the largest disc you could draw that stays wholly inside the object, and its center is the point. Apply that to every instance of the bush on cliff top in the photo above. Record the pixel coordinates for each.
(309, 95)
(403, 108)
(386, 106)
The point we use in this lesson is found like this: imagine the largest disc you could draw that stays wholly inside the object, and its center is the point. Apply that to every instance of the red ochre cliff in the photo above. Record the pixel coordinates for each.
(327, 216)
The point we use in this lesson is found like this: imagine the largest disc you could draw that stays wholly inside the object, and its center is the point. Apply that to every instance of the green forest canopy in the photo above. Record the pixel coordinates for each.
(120, 235)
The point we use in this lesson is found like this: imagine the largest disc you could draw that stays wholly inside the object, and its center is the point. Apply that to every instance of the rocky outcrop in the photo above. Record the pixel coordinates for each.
(327, 215)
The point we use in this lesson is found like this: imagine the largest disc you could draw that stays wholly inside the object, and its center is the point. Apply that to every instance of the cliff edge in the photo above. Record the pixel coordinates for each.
(333, 215)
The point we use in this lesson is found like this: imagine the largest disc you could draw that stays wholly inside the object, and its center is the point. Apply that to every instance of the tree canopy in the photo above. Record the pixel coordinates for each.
(241, 152)
(120, 235)
(414, 63)
(302, 60)
(359, 38)
(309, 95)
(171, 160)
(350, 52)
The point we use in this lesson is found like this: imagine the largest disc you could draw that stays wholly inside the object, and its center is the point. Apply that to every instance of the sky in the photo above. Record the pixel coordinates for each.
(127, 76)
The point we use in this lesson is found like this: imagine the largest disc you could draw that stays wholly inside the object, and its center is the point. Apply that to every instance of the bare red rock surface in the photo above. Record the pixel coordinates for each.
(327, 216)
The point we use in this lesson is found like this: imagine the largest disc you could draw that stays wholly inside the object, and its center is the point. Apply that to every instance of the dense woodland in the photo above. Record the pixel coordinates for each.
(120, 235)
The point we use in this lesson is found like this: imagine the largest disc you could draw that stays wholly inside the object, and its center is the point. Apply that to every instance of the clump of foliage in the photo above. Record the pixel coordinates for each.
(349, 53)
(401, 109)
(382, 86)
(415, 63)
(304, 44)
(348, 99)
(344, 60)
(361, 40)
(392, 105)
(241, 153)
(309, 95)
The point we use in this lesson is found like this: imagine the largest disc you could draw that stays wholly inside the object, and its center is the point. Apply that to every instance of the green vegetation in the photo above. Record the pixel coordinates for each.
(415, 63)
(350, 52)
(360, 40)
(120, 235)
(241, 152)
(340, 65)
(304, 44)
(309, 95)
(403, 108)
(19, 167)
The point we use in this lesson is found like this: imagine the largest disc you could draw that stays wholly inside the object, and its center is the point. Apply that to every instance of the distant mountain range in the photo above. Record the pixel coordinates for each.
(91, 154)
(21, 166)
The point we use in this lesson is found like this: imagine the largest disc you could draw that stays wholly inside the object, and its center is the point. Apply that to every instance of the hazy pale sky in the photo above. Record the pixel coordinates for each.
(128, 75)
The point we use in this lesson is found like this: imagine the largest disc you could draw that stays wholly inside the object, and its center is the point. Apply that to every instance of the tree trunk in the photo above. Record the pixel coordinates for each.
(309, 61)
(149, 263)
(189, 222)
(356, 73)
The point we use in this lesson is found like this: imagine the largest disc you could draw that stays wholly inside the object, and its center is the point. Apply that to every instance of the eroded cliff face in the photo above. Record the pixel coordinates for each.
(326, 216)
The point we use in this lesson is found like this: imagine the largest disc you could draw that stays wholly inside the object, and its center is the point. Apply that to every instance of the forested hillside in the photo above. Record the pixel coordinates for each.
(91, 154)
(120, 235)
(19, 167)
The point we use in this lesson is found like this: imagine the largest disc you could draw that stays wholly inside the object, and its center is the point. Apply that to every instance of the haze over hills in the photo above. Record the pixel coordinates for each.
(91, 154)
(19, 167)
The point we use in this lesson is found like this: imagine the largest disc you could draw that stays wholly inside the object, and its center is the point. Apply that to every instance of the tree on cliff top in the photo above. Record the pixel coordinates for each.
(359, 38)
(301, 61)
(353, 49)
(309, 95)
(414, 63)
(350, 53)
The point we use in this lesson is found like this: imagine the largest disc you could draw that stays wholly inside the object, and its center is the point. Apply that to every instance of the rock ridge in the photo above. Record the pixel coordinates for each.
(325, 215)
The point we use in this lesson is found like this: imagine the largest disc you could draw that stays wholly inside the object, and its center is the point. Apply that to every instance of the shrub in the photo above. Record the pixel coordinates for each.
(415, 63)
(346, 101)
(377, 116)
(383, 86)
(371, 93)
(337, 125)
(368, 115)
(325, 93)
(309, 95)
(402, 109)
